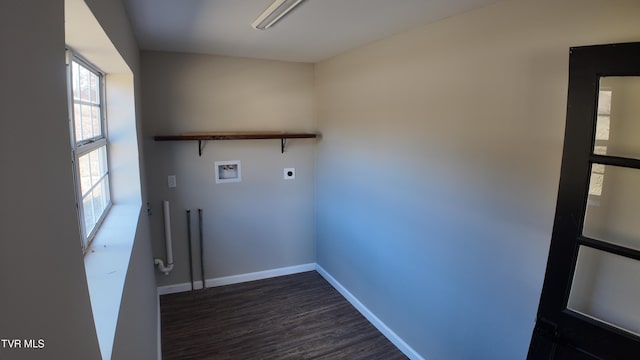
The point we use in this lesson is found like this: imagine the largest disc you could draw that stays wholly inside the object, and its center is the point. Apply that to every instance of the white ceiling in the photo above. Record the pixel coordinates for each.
(316, 30)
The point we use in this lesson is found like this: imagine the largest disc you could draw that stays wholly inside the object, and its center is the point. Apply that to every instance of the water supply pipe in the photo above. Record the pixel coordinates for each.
(204, 279)
(190, 251)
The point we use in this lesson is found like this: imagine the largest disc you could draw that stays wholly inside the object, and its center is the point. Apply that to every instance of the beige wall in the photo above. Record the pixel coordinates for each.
(261, 223)
(137, 325)
(447, 142)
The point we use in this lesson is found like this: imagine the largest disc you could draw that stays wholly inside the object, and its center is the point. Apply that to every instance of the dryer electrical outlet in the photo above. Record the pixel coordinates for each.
(289, 173)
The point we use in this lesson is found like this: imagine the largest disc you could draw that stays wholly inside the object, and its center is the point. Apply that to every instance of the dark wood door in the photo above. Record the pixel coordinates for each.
(590, 303)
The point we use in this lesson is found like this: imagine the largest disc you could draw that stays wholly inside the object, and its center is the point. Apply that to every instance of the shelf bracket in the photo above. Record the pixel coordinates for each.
(283, 144)
(201, 145)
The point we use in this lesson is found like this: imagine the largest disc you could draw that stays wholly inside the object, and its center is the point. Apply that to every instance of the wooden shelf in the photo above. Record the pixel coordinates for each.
(253, 135)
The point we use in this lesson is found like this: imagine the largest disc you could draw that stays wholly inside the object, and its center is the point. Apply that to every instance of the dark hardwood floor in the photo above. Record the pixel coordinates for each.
(298, 316)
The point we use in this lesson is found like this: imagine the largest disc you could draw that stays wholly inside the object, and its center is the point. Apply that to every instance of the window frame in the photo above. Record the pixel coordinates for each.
(86, 146)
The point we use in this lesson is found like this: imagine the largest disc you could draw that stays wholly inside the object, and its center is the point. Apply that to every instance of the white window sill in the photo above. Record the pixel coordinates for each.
(106, 265)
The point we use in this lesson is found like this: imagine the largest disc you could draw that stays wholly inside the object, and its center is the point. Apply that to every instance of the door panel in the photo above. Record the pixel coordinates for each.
(606, 288)
(613, 206)
(590, 302)
(618, 120)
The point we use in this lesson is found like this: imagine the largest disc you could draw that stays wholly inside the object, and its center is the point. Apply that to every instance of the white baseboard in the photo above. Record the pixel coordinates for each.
(259, 275)
(236, 279)
(373, 319)
(176, 288)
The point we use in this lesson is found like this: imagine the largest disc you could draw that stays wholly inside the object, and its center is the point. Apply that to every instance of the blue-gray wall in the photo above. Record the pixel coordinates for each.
(438, 169)
(44, 293)
(43, 286)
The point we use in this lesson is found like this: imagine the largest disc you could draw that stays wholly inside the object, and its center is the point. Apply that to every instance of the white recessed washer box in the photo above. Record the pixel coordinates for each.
(228, 171)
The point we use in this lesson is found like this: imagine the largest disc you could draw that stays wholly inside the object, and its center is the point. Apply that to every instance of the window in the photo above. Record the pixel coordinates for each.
(600, 147)
(89, 145)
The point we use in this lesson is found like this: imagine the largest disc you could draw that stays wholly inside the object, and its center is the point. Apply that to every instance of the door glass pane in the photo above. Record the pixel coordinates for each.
(606, 287)
(613, 206)
(618, 123)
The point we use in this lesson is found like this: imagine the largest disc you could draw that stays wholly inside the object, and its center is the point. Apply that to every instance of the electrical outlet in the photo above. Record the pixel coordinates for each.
(289, 173)
(171, 181)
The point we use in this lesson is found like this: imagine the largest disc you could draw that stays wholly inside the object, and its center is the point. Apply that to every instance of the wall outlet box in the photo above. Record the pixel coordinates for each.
(289, 173)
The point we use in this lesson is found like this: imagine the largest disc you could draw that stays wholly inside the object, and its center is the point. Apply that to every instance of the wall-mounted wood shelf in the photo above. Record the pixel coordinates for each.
(201, 137)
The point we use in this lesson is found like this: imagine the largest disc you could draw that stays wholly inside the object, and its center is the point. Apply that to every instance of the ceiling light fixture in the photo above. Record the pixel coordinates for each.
(274, 13)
